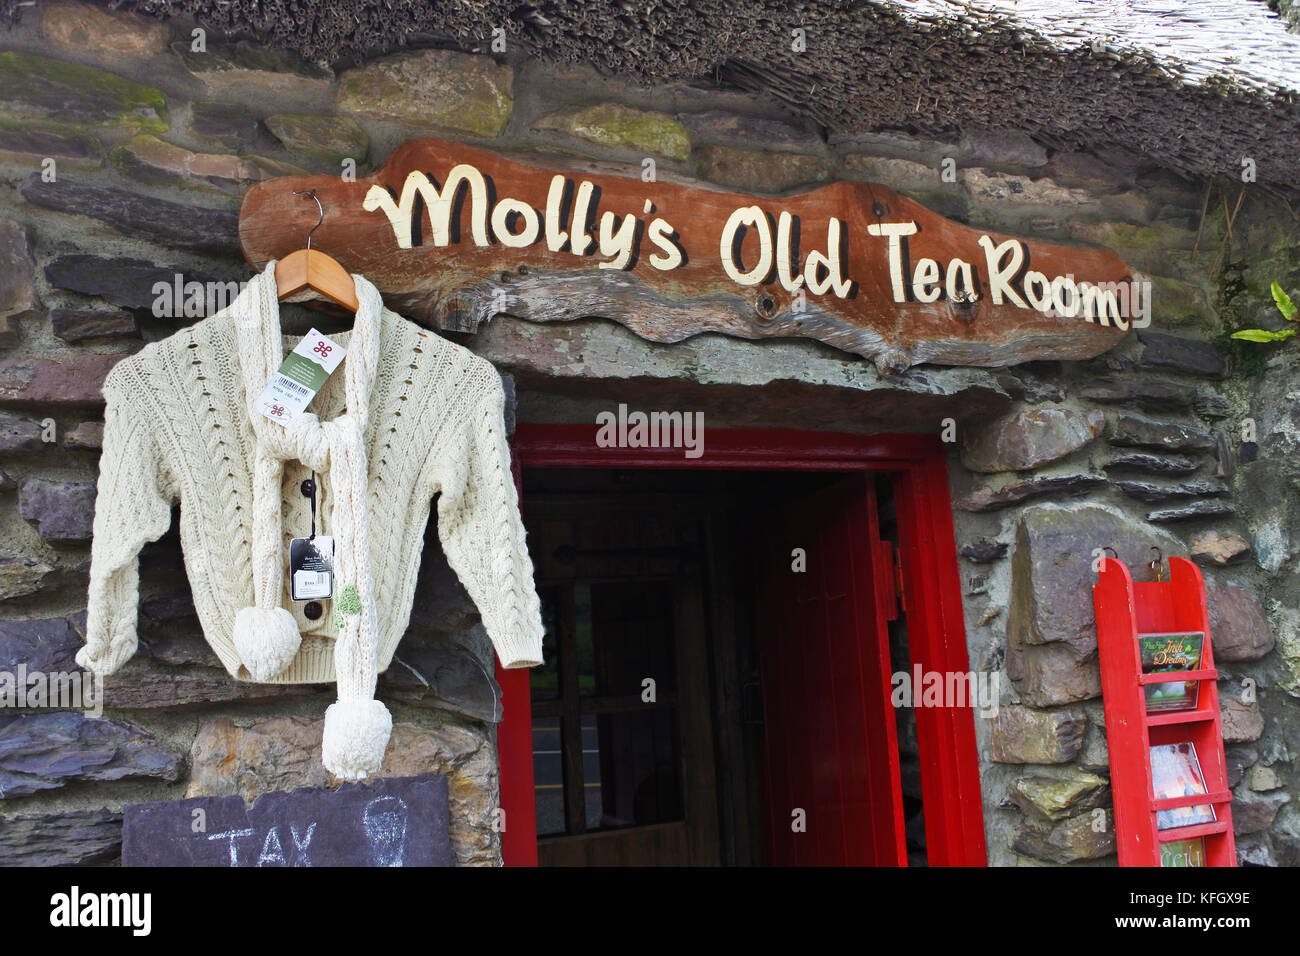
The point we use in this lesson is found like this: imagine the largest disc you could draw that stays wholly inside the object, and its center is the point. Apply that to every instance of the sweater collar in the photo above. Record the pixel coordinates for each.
(261, 341)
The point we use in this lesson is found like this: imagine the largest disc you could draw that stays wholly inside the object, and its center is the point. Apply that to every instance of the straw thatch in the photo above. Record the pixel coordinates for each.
(1197, 41)
(1194, 86)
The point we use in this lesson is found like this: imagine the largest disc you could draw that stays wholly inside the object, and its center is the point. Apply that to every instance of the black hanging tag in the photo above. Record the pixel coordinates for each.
(311, 559)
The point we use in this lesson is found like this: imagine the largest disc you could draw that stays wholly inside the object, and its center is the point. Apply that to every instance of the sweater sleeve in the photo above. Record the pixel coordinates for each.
(131, 508)
(482, 532)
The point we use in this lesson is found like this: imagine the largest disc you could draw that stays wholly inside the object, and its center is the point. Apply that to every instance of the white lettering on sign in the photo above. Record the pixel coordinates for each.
(755, 246)
(747, 217)
(384, 821)
(894, 231)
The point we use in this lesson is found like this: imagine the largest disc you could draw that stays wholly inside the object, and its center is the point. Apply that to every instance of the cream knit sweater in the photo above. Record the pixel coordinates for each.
(177, 429)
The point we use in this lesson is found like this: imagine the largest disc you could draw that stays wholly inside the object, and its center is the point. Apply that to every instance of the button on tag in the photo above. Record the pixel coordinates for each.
(311, 568)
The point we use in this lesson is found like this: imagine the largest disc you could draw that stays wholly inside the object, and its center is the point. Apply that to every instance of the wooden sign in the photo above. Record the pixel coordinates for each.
(453, 235)
(393, 821)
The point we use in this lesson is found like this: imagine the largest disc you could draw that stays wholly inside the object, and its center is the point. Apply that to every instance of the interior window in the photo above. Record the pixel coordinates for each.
(606, 748)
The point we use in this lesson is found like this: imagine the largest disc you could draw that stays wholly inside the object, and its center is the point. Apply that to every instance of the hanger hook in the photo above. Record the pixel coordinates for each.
(312, 194)
(1155, 564)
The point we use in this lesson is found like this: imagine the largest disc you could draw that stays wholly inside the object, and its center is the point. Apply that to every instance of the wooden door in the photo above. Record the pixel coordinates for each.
(830, 774)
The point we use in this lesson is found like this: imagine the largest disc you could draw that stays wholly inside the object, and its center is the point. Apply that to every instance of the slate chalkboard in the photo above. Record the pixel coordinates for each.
(395, 821)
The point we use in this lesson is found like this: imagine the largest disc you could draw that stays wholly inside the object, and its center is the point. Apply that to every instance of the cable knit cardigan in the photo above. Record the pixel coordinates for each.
(178, 429)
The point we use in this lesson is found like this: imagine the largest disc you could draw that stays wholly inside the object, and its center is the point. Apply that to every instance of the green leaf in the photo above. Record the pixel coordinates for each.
(1263, 335)
(1284, 303)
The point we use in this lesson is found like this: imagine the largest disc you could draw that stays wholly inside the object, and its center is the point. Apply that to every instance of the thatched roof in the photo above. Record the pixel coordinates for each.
(1194, 86)
(1240, 42)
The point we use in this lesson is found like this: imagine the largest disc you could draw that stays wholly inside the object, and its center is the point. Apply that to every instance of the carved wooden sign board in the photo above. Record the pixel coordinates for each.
(452, 235)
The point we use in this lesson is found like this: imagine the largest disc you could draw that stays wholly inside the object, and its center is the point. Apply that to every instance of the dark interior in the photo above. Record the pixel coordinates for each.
(648, 714)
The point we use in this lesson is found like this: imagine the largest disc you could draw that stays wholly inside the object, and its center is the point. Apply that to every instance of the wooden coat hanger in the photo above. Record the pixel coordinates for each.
(312, 269)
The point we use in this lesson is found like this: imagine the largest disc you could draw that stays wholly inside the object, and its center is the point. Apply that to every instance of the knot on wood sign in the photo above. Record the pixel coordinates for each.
(453, 235)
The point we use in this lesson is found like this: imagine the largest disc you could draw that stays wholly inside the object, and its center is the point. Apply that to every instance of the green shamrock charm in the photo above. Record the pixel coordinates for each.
(347, 602)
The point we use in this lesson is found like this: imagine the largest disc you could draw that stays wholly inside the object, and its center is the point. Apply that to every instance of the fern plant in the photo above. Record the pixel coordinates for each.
(1289, 312)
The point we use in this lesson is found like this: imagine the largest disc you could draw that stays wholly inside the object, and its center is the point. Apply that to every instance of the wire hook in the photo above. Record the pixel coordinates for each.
(312, 194)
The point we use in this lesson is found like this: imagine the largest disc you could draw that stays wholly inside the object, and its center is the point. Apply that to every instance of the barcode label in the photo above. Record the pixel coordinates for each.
(302, 373)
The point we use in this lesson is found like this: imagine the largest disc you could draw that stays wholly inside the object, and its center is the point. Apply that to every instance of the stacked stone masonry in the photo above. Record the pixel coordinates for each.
(124, 154)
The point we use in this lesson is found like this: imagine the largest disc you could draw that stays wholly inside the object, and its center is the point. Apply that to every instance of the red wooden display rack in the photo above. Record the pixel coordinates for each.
(1124, 610)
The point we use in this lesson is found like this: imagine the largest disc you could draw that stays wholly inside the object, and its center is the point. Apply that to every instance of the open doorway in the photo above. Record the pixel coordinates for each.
(719, 645)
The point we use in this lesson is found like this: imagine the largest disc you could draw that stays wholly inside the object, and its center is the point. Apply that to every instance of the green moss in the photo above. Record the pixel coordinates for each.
(982, 217)
(612, 124)
(136, 156)
(1181, 304)
(48, 92)
(1155, 236)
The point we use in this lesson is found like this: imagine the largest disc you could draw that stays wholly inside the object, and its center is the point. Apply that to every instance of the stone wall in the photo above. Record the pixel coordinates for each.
(151, 144)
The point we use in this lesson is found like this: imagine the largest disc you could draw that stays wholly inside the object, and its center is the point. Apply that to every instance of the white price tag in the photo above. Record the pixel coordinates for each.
(300, 377)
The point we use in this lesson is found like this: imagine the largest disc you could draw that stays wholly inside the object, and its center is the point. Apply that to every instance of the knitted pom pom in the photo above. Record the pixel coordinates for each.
(267, 639)
(355, 738)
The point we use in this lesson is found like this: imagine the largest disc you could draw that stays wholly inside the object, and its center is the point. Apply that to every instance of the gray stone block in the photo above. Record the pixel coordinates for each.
(48, 750)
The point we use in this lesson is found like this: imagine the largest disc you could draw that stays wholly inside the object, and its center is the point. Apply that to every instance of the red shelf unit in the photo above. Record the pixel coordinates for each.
(1125, 609)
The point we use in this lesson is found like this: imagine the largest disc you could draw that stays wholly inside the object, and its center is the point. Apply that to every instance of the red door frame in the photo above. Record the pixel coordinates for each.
(954, 819)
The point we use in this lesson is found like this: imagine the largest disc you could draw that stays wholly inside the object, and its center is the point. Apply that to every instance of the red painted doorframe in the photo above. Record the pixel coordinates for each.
(954, 820)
